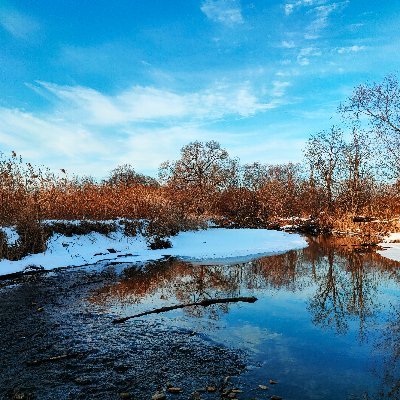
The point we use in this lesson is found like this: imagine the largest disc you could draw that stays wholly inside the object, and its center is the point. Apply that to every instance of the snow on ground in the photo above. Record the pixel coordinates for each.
(11, 234)
(392, 249)
(211, 244)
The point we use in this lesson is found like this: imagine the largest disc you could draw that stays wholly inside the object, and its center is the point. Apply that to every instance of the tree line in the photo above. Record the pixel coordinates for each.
(348, 170)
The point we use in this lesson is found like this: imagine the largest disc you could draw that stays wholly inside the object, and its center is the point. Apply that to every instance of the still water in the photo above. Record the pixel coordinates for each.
(326, 324)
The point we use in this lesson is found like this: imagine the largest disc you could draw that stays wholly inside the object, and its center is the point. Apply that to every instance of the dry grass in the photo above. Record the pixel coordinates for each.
(30, 195)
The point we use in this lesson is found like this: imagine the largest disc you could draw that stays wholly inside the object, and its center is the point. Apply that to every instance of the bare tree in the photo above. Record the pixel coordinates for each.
(126, 175)
(202, 165)
(254, 176)
(378, 105)
(324, 152)
(358, 167)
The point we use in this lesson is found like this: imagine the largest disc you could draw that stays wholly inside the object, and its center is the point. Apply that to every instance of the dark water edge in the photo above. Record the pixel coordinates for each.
(326, 326)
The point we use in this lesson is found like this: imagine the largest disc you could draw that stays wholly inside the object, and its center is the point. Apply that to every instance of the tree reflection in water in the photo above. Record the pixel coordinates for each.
(389, 345)
(343, 284)
(344, 280)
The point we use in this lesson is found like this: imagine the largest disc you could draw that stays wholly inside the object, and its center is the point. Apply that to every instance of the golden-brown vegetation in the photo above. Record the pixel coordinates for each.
(347, 172)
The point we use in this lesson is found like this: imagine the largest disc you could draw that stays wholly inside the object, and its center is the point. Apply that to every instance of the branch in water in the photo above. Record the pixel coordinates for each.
(204, 303)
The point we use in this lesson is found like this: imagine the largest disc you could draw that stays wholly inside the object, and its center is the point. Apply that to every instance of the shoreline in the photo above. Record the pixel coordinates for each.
(212, 245)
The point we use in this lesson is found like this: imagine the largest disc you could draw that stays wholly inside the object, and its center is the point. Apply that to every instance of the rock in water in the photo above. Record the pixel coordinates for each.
(159, 396)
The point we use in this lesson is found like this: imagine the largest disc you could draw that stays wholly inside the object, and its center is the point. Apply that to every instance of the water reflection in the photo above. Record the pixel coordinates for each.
(346, 291)
(343, 282)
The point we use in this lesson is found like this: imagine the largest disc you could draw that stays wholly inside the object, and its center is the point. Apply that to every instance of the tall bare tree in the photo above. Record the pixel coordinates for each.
(378, 105)
(325, 153)
(358, 179)
(202, 164)
(204, 169)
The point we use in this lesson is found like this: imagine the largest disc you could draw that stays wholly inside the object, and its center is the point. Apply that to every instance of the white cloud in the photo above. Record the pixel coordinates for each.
(311, 36)
(291, 7)
(84, 150)
(355, 27)
(320, 10)
(288, 44)
(19, 25)
(279, 88)
(139, 103)
(227, 12)
(303, 58)
(88, 132)
(321, 16)
(350, 49)
(87, 150)
(50, 138)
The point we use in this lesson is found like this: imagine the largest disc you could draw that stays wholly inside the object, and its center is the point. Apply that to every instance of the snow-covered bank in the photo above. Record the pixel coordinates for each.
(391, 246)
(209, 244)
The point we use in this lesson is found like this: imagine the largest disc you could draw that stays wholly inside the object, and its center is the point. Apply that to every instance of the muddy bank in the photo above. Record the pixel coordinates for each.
(56, 344)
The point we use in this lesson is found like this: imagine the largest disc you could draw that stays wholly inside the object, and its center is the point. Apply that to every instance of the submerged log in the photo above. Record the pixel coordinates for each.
(203, 303)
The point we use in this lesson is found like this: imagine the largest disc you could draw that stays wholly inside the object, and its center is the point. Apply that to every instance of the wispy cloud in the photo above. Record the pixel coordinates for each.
(20, 129)
(319, 10)
(311, 36)
(141, 125)
(140, 103)
(350, 49)
(84, 149)
(321, 16)
(292, 6)
(303, 58)
(89, 150)
(227, 12)
(288, 44)
(19, 25)
(279, 88)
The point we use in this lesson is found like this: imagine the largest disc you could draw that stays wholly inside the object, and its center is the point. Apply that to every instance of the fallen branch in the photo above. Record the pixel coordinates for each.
(203, 303)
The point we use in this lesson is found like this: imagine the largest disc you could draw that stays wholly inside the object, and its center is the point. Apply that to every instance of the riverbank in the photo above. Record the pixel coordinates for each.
(59, 340)
(213, 244)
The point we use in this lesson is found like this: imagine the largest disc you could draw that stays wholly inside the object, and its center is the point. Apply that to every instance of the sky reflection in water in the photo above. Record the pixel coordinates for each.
(326, 324)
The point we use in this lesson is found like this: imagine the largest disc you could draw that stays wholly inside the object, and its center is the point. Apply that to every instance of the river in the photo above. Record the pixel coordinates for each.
(326, 325)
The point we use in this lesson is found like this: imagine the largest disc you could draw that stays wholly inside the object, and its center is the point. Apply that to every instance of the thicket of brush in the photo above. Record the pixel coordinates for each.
(348, 171)
(39, 203)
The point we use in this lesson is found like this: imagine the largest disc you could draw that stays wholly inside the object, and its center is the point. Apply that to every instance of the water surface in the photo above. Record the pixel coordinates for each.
(326, 324)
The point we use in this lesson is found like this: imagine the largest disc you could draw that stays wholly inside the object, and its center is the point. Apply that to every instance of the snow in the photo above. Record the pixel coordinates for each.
(11, 234)
(391, 250)
(224, 245)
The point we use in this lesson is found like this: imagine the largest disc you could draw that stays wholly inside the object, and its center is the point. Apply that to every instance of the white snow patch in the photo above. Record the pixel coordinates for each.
(211, 244)
(11, 234)
(392, 249)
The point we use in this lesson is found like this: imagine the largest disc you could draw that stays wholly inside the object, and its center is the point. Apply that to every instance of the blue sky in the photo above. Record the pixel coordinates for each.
(87, 85)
